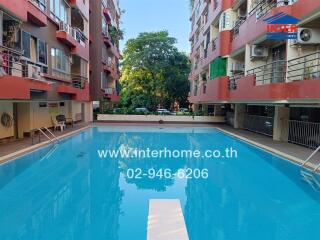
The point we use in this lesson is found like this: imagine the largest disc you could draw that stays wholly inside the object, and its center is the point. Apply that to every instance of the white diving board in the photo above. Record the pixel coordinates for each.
(166, 221)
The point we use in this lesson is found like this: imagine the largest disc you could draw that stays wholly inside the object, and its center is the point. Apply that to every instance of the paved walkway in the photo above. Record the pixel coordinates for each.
(289, 151)
(20, 144)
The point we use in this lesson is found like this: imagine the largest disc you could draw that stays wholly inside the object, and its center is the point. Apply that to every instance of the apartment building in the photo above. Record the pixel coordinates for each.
(44, 64)
(269, 86)
(104, 52)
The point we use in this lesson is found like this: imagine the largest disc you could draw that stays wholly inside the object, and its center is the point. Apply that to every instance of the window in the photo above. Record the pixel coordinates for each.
(61, 104)
(34, 49)
(60, 61)
(59, 10)
(42, 52)
(26, 44)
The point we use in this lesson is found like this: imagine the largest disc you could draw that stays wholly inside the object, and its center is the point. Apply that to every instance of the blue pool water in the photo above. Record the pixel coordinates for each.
(71, 193)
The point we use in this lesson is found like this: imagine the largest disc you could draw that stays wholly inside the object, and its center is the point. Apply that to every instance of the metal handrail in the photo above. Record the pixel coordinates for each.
(53, 139)
(309, 159)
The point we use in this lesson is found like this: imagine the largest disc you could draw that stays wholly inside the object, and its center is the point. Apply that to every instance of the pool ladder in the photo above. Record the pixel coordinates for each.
(304, 164)
(51, 137)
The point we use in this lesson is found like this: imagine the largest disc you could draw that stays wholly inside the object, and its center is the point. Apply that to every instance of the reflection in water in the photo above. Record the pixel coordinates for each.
(73, 194)
(257, 196)
(153, 142)
(70, 195)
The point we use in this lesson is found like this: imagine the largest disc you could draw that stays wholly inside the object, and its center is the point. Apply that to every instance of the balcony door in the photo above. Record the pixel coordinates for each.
(279, 65)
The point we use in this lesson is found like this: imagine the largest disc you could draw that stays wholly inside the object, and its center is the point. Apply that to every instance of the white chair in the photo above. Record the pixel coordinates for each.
(57, 124)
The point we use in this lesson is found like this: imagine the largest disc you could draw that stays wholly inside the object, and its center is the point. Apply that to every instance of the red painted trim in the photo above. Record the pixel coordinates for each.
(83, 6)
(12, 87)
(36, 16)
(66, 38)
(48, 76)
(247, 90)
(18, 10)
(77, 93)
(216, 91)
(252, 29)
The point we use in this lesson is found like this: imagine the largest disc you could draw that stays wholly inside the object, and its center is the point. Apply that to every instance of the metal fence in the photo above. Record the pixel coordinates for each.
(274, 72)
(304, 133)
(259, 124)
(230, 118)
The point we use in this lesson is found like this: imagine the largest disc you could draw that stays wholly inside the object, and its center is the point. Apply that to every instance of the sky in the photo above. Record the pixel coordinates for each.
(157, 15)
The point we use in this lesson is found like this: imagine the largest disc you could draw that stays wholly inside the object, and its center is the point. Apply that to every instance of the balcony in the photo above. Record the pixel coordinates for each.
(17, 77)
(112, 94)
(218, 47)
(305, 7)
(37, 12)
(254, 27)
(82, 6)
(280, 81)
(111, 46)
(107, 15)
(77, 94)
(111, 69)
(211, 91)
(17, 10)
(75, 39)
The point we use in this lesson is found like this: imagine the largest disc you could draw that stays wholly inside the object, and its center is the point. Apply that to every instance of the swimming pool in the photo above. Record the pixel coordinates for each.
(69, 192)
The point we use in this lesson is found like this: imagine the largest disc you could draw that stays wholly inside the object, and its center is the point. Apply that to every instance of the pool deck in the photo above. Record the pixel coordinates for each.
(18, 147)
(288, 151)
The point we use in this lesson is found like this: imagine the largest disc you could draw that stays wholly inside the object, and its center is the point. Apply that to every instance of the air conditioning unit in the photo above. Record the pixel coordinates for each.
(108, 91)
(64, 27)
(34, 72)
(259, 51)
(308, 36)
(242, 13)
(238, 67)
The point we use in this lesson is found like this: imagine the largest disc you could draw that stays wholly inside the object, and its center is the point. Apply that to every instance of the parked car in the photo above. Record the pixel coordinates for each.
(117, 110)
(163, 111)
(183, 111)
(141, 110)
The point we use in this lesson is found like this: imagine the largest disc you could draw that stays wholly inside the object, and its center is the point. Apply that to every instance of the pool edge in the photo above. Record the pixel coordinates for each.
(263, 147)
(19, 153)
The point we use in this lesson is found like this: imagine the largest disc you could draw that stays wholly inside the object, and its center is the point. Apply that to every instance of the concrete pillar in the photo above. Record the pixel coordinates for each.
(281, 124)
(239, 114)
(217, 110)
(205, 108)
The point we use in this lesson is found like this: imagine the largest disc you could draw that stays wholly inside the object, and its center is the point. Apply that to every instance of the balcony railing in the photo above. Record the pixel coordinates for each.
(41, 4)
(274, 72)
(263, 7)
(78, 81)
(233, 81)
(303, 68)
(259, 124)
(10, 62)
(236, 28)
(306, 67)
(76, 33)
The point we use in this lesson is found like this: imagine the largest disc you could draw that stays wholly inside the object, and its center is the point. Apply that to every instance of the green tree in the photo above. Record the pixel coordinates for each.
(153, 72)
